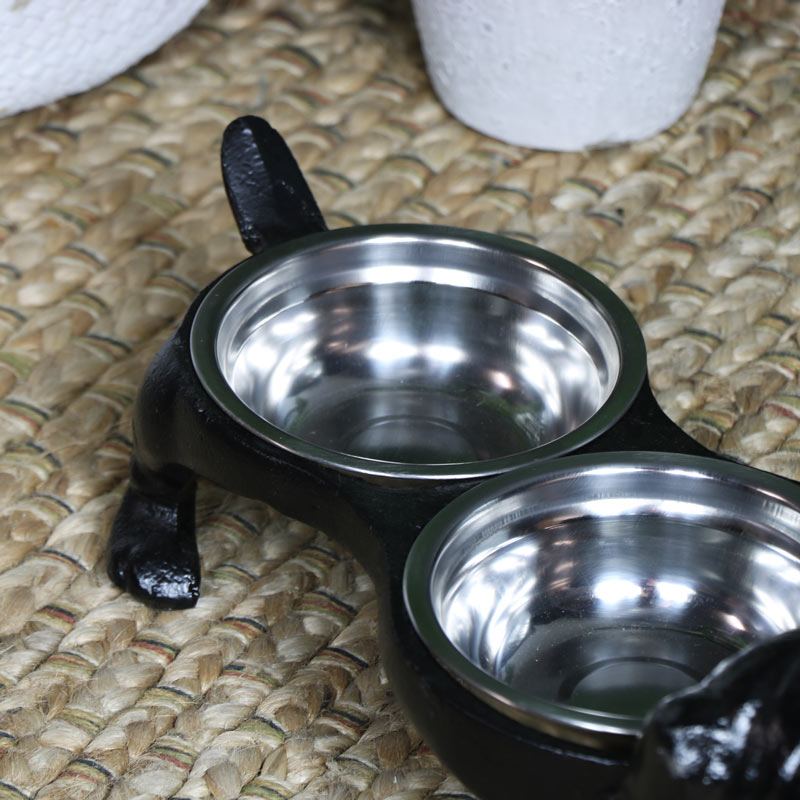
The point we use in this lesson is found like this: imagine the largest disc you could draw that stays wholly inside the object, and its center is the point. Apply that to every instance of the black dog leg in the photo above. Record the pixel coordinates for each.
(153, 550)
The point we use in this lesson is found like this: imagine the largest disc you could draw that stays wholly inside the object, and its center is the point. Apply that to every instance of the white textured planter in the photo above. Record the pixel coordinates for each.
(53, 48)
(567, 74)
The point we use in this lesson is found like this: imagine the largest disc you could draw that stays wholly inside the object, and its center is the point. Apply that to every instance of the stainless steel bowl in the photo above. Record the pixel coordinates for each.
(574, 594)
(417, 351)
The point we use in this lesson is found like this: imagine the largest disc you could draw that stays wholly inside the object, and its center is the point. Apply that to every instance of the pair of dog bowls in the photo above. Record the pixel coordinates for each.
(471, 417)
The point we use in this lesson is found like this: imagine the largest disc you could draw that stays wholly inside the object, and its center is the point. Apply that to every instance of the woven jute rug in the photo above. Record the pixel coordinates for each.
(113, 217)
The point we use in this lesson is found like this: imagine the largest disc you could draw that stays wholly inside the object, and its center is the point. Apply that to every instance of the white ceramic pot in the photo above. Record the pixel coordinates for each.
(567, 74)
(53, 48)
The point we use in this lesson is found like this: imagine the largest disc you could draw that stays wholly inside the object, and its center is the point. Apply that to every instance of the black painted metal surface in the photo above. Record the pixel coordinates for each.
(268, 195)
(736, 736)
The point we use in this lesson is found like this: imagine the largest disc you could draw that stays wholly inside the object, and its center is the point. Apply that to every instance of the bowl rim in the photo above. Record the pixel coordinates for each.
(212, 310)
(597, 730)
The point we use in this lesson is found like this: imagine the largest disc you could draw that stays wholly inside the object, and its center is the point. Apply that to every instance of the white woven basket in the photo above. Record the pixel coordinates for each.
(53, 48)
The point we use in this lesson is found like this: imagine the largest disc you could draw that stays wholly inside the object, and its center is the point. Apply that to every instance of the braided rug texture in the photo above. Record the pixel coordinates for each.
(113, 217)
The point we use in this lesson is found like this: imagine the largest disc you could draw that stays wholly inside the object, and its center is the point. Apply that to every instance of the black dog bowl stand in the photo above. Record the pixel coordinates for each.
(180, 432)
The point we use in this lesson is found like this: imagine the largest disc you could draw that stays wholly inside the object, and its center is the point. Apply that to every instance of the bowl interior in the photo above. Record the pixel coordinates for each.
(579, 596)
(421, 349)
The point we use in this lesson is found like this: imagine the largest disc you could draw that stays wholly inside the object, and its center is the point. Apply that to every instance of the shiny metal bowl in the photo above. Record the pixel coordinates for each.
(574, 594)
(417, 351)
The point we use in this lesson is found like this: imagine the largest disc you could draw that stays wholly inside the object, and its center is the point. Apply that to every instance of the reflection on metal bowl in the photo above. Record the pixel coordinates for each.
(398, 348)
(575, 595)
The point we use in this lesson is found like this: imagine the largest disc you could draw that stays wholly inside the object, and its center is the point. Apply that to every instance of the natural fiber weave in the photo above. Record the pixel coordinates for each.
(113, 216)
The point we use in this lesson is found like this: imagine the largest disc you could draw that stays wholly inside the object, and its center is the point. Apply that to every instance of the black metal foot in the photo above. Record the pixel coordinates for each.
(153, 550)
